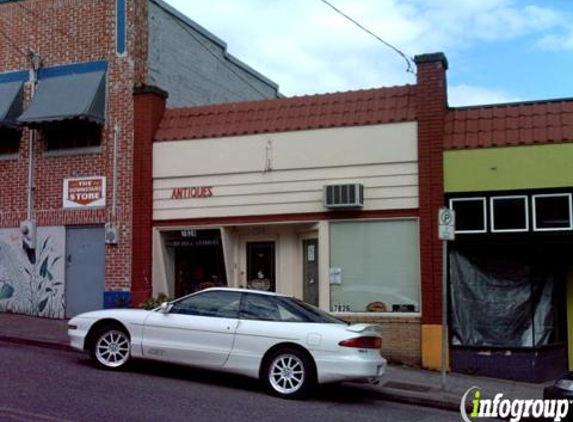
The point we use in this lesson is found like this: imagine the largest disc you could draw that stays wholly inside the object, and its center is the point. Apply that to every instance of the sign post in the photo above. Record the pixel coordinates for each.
(446, 232)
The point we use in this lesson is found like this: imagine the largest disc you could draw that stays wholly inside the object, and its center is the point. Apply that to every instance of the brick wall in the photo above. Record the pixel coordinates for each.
(66, 32)
(149, 108)
(400, 336)
(431, 105)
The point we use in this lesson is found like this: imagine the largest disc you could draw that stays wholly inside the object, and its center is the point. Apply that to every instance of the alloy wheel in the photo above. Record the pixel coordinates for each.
(112, 349)
(287, 374)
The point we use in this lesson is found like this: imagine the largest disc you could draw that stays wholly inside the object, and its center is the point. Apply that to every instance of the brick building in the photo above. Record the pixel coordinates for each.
(82, 83)
(331, 198)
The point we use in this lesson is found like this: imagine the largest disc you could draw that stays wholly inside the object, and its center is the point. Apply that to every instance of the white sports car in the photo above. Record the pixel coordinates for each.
(285, 342)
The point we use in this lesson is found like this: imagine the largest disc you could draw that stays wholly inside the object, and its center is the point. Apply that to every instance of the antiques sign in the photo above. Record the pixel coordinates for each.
(84, 192)
(192, 192)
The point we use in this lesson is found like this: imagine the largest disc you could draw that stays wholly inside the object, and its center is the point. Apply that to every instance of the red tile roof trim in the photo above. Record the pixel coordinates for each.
(509, 125)
(353, 108)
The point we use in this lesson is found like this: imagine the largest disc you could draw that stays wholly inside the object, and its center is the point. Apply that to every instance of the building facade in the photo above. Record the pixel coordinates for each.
(508, 176)
(319, 197)
(82, 84)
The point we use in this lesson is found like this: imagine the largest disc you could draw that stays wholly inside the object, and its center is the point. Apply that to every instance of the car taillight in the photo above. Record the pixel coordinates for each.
(362, 343)
(72, 327)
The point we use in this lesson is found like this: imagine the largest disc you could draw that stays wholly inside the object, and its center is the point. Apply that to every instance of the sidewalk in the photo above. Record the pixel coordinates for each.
(401, 384)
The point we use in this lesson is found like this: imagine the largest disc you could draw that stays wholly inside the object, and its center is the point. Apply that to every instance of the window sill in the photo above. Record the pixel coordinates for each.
(73, 151)
(378, 314)
(8, 157)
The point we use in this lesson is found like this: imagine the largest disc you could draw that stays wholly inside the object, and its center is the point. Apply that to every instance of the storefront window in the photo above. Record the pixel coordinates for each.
(509, 214)
(375, 266)
(508, 295)
(470, 214)
(552, 212)
(199, 260)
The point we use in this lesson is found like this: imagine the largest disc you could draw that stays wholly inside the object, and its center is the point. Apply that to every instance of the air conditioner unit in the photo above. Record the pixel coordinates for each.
(344, 196)
(28, 229)
(111, 234)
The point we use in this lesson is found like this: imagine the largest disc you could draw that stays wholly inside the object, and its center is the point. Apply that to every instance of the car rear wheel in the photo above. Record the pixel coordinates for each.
(288, 373)
(111, 348)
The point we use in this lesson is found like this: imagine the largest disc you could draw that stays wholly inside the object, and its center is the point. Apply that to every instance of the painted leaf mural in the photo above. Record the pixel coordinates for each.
(32, 281)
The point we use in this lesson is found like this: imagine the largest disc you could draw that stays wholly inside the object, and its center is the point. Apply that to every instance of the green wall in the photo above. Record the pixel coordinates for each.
(523, 167)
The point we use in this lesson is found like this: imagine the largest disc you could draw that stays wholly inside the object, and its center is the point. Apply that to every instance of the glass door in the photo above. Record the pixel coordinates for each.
(310, 271)
(261, 266)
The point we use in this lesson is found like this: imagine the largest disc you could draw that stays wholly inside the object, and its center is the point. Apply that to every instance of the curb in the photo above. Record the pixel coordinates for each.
(424, 400)
(38, 343)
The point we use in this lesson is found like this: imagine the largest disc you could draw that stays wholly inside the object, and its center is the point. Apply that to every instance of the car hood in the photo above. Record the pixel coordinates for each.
(121, 314)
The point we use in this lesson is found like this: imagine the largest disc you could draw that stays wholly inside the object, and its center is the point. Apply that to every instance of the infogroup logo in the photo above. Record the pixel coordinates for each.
(515, 410)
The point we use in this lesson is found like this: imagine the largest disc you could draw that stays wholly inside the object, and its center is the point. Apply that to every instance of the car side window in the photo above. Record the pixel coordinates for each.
(211, 304)
(266, 308)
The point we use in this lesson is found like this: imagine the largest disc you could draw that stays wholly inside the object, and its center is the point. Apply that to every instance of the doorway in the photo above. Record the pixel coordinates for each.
(261, 266)
(85, 269)
(310, 271)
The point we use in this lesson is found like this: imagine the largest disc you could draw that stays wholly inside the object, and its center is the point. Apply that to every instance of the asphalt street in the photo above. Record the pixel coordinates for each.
(43, 385)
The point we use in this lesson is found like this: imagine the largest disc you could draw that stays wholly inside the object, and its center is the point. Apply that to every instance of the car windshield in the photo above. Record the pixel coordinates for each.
(308, 313)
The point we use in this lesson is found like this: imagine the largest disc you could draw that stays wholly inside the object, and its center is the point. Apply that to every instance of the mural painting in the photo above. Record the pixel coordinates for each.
(32, 281)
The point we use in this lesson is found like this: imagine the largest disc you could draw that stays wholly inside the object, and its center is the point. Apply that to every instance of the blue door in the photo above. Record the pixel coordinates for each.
(85, 269)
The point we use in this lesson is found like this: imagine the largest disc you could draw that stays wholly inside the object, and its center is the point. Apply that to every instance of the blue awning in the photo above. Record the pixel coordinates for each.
(11, 95)
(79, 96)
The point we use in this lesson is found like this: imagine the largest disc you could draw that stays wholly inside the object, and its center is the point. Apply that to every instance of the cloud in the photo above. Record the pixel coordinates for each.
(466, 95)
(307, 48)
(557, 42)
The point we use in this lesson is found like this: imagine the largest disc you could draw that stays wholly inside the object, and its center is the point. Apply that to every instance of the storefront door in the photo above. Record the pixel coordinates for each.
(261, 266)
(310, 271)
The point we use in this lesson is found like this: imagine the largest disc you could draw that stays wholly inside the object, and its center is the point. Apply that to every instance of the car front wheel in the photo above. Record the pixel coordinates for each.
(111, 348)
(288, 373)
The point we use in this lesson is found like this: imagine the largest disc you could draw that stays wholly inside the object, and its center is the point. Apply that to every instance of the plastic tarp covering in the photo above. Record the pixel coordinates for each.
(500, 301)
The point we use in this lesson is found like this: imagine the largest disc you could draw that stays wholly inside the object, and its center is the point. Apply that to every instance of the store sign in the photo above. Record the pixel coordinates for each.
(84, 192)
(192, 192)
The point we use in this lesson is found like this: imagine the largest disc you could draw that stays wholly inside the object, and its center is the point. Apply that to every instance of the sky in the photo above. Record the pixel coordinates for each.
(498, 50)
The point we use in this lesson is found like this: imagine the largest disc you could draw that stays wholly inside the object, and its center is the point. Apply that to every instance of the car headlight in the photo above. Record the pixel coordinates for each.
(565, 385)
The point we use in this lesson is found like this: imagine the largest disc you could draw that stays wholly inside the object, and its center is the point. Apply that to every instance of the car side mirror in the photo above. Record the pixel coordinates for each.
(165, 307)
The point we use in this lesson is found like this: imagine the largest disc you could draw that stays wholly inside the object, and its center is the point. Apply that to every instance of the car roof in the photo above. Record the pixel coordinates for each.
(234, 289)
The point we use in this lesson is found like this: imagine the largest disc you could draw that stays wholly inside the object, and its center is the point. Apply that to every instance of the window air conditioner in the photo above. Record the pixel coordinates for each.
(344, 196)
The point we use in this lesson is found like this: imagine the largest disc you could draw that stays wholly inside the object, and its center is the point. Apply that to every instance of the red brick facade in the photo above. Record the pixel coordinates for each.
(149, 108)
(69, 32)
(431, 108)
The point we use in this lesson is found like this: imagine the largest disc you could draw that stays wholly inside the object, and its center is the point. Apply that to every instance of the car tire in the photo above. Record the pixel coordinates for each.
(111, 347)
(288, 373)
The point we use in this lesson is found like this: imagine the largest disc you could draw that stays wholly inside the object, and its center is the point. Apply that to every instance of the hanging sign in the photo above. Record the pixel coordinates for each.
(84, 192)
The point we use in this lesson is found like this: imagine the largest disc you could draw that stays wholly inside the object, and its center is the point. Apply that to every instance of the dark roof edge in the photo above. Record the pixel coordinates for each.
(432, 58)
(513, 104)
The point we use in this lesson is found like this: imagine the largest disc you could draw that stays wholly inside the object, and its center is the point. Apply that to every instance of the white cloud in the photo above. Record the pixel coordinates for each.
(307, 48)
(465, 95)
(557, 42)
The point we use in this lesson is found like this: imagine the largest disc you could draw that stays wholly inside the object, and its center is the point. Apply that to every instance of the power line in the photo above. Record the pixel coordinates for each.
(408, 60)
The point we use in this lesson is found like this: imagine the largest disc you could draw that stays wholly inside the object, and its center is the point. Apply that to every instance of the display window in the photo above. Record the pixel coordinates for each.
(375, 266)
